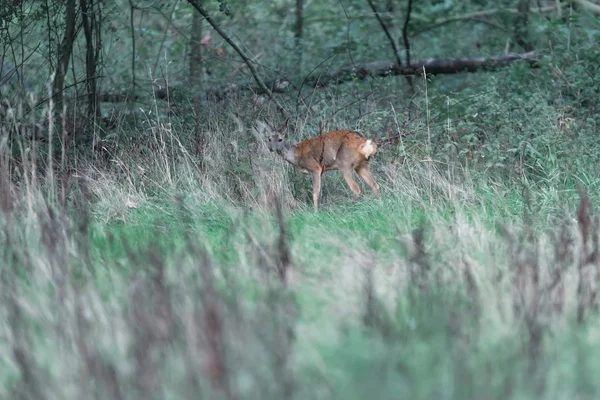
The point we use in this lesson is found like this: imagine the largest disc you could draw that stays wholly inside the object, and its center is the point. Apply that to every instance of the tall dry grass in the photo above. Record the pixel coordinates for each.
(155, 272)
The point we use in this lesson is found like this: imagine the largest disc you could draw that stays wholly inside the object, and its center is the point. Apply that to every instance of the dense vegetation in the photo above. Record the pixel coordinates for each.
(152, 247)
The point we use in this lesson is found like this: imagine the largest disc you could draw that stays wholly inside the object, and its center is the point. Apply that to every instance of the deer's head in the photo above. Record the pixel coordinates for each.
(276, 141)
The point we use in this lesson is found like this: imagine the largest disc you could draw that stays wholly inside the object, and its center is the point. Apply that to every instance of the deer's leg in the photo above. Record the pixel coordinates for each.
(316, 181)
(365, 174)
(347, 174)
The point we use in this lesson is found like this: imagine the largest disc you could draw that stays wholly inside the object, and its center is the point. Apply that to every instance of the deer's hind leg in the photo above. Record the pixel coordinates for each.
(363, 170)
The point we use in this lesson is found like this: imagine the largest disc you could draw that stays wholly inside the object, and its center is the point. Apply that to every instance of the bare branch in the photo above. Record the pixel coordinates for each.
(393, 43)
(588, 5)
(478, 15)
(241, 53)
(386, 31)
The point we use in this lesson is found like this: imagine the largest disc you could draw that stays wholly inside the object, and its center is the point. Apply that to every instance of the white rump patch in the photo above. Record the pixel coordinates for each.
(368, 149)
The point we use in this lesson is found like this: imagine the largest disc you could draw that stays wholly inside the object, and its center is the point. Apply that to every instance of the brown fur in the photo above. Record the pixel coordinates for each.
(343, 150)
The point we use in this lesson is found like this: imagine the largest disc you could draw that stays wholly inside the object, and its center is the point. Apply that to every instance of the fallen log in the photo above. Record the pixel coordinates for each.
(432, 66)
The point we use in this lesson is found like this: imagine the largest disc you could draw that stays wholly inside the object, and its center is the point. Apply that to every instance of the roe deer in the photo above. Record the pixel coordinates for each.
(343, 150)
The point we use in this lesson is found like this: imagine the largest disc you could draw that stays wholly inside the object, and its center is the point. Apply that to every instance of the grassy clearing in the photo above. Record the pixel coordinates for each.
(162, 253)
(173, 296)
(154, 275)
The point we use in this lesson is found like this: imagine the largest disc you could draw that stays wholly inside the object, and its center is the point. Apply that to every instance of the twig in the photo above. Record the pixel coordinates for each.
(299, 96)
(39, 103)
(4, 79)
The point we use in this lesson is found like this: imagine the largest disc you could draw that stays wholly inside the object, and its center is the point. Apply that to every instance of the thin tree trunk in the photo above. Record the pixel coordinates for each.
(196, 74)
(521, 25)
(64, 54)
(407, 47)
(298, 32)
(195, 67)
(405, 32)
(131, 26)
(88, 18)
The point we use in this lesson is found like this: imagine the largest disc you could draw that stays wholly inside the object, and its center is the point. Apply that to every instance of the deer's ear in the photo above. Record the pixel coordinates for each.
(284, 126)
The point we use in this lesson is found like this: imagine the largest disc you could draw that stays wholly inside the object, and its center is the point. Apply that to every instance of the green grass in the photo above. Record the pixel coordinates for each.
(461, 282)
(430, 335)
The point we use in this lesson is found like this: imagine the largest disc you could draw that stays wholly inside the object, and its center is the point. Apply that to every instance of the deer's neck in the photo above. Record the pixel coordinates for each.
(289, 152)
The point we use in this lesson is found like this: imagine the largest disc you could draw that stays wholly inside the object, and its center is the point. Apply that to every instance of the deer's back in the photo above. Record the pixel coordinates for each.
(332, 147)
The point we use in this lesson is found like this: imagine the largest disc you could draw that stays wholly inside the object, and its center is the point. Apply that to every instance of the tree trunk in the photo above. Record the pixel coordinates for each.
(298, 32)
(521, 25)
(407, 50)
(88, 19)
(64, 54)
(195, 67)
(196, 74)
(133, 48)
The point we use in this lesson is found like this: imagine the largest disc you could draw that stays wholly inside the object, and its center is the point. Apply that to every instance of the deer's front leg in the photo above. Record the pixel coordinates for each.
(316, 181)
